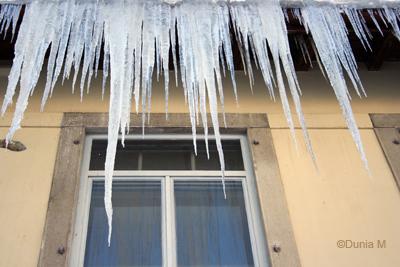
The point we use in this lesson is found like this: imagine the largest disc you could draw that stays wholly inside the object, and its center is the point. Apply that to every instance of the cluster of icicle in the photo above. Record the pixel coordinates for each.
(136, 37)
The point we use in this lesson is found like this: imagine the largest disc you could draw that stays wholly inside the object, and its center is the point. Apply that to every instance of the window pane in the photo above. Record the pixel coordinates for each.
(166, 158)
(232, 154)
(136, 236)
(167, 155)
(211, 230)
(125, 159)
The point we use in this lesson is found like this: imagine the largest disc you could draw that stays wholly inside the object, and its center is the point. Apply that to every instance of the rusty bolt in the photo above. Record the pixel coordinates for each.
(276, 248)
(61, 250)
(77, 142)
(255, 142)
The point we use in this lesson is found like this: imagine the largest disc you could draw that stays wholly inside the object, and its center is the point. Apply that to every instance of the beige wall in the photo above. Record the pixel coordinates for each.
(339, 202)
(25, 182)
(382, 88)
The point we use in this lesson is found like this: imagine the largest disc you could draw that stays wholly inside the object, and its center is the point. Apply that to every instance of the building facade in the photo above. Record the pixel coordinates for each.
(324, 215)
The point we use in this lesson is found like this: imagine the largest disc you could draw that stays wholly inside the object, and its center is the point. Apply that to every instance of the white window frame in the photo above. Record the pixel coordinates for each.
(247, 177)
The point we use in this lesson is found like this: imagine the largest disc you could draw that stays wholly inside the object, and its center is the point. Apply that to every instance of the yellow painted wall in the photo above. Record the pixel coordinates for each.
(25, 182)
(318, 98)
(341, 202)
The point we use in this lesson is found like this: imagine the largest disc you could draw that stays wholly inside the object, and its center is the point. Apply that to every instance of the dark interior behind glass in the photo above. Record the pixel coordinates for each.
(167, 155)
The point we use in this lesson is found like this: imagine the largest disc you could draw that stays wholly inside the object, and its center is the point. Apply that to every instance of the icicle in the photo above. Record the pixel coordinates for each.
(92, 39)
(37, 32)
(75, 44)
(67, 19)
(263, 23)
(223, 19)
(164, 39)
(200, 38)
(120, 91)
(372, 15)
(106, 66)
(302, 45)
(329, 34)
(318, 59)
(9, 15)
(53, 65)
(360, 29)
(392, 16)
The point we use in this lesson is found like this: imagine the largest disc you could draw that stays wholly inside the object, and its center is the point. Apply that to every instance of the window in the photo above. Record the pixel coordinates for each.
(169, 206)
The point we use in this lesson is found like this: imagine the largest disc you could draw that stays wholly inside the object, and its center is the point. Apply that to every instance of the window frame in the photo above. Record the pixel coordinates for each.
(387, 131)
(63, 198)
(167, 178)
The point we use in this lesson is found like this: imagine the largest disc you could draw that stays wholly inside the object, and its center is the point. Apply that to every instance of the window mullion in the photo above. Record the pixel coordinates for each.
(164, 223)
(193, 161)
(170, 223)
(140, 161)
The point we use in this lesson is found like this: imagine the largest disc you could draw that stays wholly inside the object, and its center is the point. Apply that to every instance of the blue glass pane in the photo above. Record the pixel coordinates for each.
(211, 230)
(136, 236)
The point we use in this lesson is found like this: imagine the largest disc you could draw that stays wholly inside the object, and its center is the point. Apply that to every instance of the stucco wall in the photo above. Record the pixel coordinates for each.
(339, 202)
(25, 181)
(382, 88)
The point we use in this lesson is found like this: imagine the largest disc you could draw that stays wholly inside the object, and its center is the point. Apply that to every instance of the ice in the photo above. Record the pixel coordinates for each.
(115, 18)
(302, 45)
(199, 40)
(30, 49)
(8, 17)
(263, 24)
(328, 30)
(392, 16)
(359, 25)
(136, 38)
(372, 15)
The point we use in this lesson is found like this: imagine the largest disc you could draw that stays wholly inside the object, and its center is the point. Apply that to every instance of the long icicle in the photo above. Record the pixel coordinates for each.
(334, 51)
